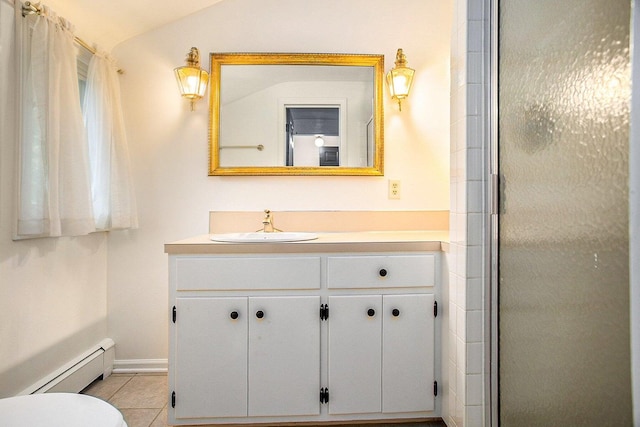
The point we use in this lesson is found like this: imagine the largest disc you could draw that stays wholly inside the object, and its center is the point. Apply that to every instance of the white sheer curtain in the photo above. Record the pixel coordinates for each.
(111, 184)
(54, 192)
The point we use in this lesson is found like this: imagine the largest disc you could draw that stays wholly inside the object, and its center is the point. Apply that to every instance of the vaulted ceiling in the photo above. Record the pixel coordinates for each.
(109, 22)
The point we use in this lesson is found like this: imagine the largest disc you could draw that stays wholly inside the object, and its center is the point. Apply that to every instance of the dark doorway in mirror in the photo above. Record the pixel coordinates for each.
(309, 129)
(329, 156)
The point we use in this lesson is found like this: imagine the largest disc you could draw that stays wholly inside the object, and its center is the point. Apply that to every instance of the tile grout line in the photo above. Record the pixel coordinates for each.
(157, 415)
(119, 388)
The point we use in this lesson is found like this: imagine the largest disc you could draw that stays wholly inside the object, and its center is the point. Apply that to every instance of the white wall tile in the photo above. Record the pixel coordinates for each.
(461, 357)
(461, 267)
(461, 197)
(461, 113)
(461, 292)
(474, 164)
(461, 326)
(473, 416)
(475, 262)
(467, 219)
(473, 389)
(474, 67)
(475, 197)
(460, 411)
(475, 299)
(453, 136)
(461, 163)
(474, 133)
(453, 353)
(461, 389)
(474, 325)
(453, 294)
(475, 10)
(453, 320)
(453, 208)
(461, 12)
(461, 49)
(453, 401)
(461, 130)
(461, 225)
(475, 36)
(474, 99)
(474, 358)
(476, 227)
(453, 374)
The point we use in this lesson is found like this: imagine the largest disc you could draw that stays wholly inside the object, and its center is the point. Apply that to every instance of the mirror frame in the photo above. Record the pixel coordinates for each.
(361, 60)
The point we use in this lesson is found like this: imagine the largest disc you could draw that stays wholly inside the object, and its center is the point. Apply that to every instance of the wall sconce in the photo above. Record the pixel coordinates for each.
(400, 78)
(192, 80)
(319, 141)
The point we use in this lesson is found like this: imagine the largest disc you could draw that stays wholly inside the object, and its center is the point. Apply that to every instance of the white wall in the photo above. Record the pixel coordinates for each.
(53, 292)
(169, 148)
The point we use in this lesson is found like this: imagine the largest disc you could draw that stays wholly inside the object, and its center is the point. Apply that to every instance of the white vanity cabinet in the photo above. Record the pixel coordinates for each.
(381, 346)
(238, 357)
(381, 353)
(277, 333)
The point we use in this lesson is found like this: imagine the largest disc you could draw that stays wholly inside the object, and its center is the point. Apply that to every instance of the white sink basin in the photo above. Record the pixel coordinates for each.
(262, 237)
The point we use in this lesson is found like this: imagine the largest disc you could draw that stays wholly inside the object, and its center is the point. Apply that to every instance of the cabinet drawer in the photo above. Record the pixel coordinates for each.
(229, 273)
(368, 271)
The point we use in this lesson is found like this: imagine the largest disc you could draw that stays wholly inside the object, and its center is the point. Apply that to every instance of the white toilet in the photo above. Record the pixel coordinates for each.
(58, 410)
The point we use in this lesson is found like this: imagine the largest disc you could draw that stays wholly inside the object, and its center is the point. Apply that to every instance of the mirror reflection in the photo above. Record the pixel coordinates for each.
(302, 114)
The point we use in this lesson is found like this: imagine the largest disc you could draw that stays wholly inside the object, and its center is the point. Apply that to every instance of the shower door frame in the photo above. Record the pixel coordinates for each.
(492, 201)
(492, 227)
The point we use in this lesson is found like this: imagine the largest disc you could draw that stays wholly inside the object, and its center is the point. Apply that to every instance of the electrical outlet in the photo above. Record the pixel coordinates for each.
(394, 189)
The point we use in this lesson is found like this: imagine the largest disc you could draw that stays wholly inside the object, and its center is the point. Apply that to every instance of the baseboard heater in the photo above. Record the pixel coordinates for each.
(79, 372)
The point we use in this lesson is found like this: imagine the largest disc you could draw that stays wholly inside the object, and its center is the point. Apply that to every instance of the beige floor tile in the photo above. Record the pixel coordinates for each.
(161, 419)
(142, 392)
(139, 417)
(105, 389)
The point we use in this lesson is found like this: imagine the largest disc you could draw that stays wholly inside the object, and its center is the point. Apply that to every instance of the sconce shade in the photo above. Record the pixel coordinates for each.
(192, 80)
(400, 78)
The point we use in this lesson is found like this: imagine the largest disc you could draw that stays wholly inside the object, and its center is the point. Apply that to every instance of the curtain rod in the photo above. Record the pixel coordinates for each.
(29, 8)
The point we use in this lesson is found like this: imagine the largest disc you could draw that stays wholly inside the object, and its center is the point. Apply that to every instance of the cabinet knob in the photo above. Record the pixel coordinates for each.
(395, 312)
(383, 272)
(234, 315)
(371, 312)
(259, 314)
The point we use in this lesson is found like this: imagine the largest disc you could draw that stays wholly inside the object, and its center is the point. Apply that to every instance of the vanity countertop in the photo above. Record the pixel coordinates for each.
(365, 241)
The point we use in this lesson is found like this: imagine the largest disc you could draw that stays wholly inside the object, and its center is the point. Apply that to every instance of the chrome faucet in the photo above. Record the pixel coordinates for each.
(267, 223)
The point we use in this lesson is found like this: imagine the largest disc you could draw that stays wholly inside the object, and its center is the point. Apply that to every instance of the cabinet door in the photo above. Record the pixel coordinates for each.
(355, 327)
(407, 353)
(284, 356)
(211, 357)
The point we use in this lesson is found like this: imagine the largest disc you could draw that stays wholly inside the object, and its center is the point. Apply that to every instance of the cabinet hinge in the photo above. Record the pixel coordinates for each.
(173, 399)
(173, 315)
(324, 395)
(435, 388)
(324, 311)
(435, 309)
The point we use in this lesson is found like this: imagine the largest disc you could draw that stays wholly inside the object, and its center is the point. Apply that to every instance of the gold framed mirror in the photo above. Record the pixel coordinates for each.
(296, 114)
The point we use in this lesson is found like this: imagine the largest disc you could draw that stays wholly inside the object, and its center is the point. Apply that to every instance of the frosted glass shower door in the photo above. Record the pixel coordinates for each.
(564, 90)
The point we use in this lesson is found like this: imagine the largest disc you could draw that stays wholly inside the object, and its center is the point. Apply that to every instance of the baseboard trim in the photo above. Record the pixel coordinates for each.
(140, 366)
(77, 373)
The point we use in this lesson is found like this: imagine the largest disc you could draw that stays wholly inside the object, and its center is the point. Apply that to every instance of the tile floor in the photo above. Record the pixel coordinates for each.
(142, 399)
